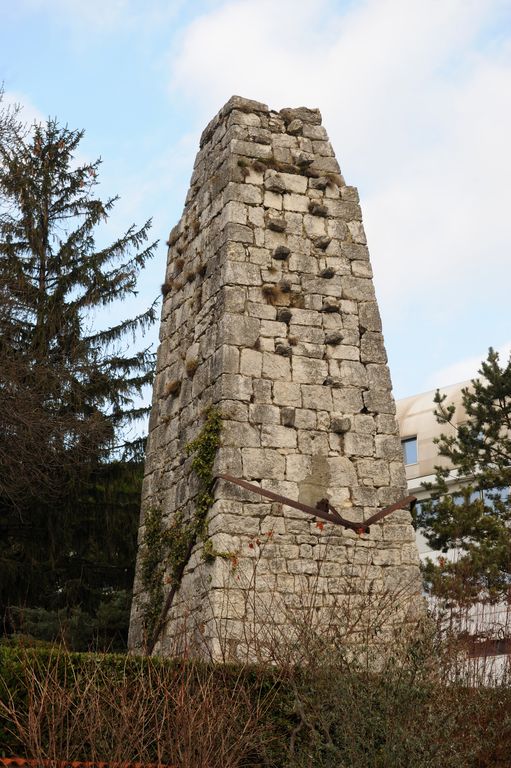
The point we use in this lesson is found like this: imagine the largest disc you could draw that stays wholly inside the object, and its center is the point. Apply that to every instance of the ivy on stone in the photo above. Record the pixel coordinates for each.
(169, 550)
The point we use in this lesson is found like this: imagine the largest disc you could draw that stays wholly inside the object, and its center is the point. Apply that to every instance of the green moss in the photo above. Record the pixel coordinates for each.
(204, 449)
(152, 568)
(166, 549)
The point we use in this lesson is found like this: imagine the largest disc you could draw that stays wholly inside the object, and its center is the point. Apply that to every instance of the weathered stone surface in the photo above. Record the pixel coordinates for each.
(275, 367)
(240, 330)
(295, 127)
(262, 462)
(272, 318)
(369, 316)
(307, 371)
(312, 116)
(274, 183)
(273, 436)
(251, 363)
(294, 183)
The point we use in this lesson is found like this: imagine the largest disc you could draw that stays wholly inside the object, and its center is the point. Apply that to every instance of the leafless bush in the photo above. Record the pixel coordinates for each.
(183, 714)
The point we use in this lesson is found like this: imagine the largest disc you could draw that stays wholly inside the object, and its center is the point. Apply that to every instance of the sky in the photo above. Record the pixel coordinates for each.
(415, 96)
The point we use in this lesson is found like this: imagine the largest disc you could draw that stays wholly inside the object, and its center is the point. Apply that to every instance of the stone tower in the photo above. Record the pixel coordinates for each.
(269, 314)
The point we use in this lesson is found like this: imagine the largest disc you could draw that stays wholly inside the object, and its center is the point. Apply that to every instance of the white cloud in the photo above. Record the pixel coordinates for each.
(415, 98)
(29, 113)
(466, 369)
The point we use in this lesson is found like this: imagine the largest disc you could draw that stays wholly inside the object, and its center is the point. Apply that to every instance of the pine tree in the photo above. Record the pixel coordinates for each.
(68, 390)
(473, 520)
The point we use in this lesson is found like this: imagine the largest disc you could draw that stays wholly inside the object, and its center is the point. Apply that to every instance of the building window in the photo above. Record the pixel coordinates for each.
(409, 446)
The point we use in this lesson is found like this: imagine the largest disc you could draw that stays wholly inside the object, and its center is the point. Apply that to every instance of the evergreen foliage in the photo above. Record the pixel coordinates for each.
(69, 480)
(475, 518)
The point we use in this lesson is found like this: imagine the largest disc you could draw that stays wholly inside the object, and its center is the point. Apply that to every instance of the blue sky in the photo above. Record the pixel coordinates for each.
(416, 97)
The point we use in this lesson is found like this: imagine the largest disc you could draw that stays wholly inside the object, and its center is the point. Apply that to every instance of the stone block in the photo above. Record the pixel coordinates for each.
(228, 461)
(353, 374)
(358, 288)
(309, 116)
(275, 223)
(361, 269)
(243, 118)
(294, 202)
(397, 474)
(316, 132)
(347, 400)
(264, 414)
(374, 471)
(379, 401)
(307, 371)
(316, 396)
(386, 424)
(237, 273)
(276, 367)
(364, 424)
(342, 472)
(243, 193)
(262, 463)
(238, 434)
(262, 389)
(314, 226)
(251, 149)
(344, 352)
(251, 363)
(306, 317)
(358, 445)
(273, 200)
(273, 328)
(325, 165)
(256, 218)
(235, 410)
(300, 262)
(294, 183)
(363, 496)
(397, 533)
(357, 233)
(262, 311)
(276, 436)
(305, 418)
(234, 212)
(229, 359)
(236, 387)
(314, 442)
(233, 299)
(239, 330)
(285, 393)
(237, 233)
(372, 349)
(379, 376)
(388, 447)
(369, 316)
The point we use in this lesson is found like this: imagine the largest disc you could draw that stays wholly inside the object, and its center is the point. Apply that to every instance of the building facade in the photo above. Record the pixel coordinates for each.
(488, 627)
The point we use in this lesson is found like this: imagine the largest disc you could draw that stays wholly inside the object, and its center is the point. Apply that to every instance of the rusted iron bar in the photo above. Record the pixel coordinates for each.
(323, 509)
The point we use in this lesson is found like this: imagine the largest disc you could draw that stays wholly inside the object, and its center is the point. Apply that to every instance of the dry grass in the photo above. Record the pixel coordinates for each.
(173, 387)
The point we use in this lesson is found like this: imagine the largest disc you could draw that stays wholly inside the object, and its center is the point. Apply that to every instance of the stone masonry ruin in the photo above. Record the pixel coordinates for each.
(270, 316)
